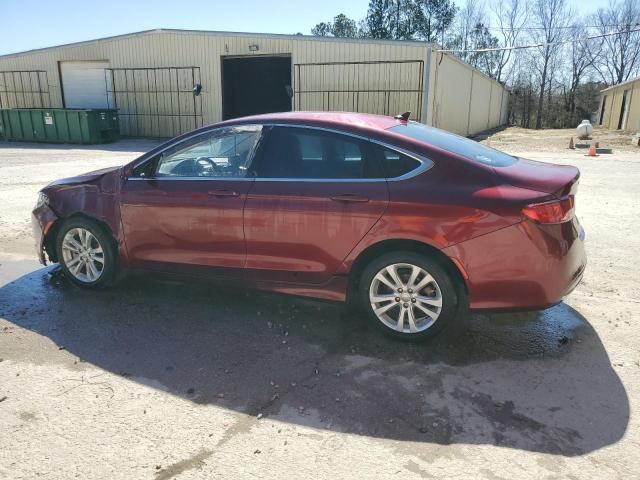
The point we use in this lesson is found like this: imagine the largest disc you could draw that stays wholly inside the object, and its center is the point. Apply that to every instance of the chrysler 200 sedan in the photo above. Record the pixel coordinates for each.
(412, 221)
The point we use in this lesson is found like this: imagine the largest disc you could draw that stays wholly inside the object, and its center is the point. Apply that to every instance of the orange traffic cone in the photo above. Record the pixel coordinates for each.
(571, 145)
(592, 150)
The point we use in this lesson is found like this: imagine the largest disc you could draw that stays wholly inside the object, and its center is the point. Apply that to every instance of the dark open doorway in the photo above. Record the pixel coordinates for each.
(604, 102)
(256, 84)
(623, 110)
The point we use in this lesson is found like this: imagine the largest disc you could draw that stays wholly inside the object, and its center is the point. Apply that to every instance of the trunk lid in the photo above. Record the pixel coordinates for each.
(558, 180)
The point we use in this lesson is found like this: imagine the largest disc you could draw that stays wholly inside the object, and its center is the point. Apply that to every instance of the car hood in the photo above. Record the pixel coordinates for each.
(89, 177)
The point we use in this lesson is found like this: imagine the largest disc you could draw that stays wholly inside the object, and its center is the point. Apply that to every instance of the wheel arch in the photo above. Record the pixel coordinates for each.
(52, 233)
(386, 246)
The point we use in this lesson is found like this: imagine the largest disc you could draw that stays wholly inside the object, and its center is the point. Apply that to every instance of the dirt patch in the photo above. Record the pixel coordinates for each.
(516, 139)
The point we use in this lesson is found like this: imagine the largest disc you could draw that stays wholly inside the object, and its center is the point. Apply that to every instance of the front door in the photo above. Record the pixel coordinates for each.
(182, 210)
(316, 194)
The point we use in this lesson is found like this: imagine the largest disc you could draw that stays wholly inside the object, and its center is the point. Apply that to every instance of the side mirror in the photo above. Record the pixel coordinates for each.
(147, 170)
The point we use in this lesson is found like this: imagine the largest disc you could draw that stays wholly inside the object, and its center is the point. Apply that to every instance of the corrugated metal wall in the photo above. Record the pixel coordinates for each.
(464, 100)
(613, 106)
(447, 83)
(24, 89)
(385, 87)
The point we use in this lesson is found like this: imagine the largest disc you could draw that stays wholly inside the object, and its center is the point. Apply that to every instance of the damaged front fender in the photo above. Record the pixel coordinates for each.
(42, 219)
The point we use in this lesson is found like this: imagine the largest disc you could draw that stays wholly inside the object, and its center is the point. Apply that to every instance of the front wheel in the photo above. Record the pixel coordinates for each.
(410, 296)
(86, 253)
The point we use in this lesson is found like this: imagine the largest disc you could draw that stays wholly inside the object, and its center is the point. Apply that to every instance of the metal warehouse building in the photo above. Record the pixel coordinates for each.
(165, 82)
(620, 106)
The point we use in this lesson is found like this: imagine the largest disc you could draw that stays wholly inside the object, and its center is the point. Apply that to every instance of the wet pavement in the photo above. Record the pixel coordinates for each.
(514, 380)
(161, 379)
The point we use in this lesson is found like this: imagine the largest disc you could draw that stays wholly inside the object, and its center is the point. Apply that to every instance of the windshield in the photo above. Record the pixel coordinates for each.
(454, 143)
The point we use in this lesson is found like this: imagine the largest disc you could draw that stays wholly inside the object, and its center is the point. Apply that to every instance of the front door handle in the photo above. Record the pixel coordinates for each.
(223, 193)
(349, 197)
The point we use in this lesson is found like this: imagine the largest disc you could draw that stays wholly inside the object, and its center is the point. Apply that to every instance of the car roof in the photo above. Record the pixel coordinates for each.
(339, 120)
(349, 122)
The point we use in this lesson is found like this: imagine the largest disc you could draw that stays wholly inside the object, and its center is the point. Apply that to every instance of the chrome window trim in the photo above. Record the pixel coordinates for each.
(224, 129)
(321, 180)
(160, 179)
(425, 163)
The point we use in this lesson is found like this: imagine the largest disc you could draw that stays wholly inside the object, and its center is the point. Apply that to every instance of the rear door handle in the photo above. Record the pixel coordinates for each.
(223, 193)
(349, 197)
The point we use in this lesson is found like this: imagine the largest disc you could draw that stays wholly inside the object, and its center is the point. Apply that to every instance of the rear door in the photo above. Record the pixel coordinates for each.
(316, 194)
(182, 210)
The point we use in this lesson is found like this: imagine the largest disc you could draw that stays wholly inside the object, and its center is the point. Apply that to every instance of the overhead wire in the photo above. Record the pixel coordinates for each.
(565, 27)
(537, 45)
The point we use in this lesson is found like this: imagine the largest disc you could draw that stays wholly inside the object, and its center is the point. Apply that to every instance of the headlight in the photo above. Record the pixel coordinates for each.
(42, 200)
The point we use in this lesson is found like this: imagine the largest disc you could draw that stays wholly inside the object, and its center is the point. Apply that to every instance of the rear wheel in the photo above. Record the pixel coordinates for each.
(408, 295)
(86, 253)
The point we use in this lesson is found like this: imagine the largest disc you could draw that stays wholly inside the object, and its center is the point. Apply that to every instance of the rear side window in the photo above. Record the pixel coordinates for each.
(454, 143)
(294, 152)
(397, 164)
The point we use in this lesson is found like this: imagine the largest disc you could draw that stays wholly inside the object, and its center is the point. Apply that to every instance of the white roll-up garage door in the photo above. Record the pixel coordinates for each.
(84, 84)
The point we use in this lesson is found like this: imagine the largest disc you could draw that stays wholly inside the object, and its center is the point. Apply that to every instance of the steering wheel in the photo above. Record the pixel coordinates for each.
(204, 162)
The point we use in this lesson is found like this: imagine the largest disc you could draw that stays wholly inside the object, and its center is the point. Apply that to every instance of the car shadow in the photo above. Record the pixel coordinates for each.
(533, 381)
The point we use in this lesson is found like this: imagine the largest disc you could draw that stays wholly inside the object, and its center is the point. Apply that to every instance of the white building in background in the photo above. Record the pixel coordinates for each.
(620, 106)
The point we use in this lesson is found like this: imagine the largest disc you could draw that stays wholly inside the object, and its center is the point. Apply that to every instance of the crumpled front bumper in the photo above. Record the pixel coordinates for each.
(42, 219)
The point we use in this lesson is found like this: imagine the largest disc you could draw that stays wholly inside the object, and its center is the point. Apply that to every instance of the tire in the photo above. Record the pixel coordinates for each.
(97, 248)
(425, 311)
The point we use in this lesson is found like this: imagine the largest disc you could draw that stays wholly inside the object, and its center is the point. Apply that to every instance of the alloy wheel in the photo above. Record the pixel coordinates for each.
(83, 255)
(405, 298)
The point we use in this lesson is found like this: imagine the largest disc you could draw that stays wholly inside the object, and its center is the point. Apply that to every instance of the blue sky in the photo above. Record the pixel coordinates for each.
(28, 24)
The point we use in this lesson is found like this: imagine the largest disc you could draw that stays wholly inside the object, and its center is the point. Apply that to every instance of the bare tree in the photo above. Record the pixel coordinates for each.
(466, 20)
(551, 16)
(546, 59)
(582, 54)
(619, 57)
(511, 16)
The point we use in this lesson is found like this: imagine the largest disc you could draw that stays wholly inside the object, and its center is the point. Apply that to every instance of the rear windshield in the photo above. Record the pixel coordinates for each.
(454, 143)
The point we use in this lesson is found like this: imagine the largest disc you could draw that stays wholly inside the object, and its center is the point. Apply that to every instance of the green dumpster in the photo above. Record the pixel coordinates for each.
(60, 125)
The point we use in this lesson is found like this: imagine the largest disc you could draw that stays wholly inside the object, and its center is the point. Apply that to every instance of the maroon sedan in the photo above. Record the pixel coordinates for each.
(413, 221)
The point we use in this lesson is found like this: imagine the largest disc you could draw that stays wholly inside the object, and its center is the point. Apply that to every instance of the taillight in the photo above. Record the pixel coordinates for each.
(555, 211)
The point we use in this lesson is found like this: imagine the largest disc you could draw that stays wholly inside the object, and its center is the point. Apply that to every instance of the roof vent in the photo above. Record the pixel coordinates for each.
(403, 116)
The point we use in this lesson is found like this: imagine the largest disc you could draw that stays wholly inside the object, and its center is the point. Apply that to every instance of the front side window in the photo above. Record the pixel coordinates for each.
(218, 154)
(454, 143)
(295, 152)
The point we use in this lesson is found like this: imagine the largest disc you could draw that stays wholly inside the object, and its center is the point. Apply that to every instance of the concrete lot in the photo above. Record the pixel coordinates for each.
(159, 380)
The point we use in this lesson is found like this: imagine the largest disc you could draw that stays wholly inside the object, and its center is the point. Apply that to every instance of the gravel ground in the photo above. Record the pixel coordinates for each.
(157, 380)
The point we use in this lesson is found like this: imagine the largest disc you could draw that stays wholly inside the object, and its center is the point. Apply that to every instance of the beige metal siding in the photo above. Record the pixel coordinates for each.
(616, 105)
(24, 89)
(451, 94)
(633, 120)
(185, 49)
(480, 104)
(464, 100)
(386, 88)
(461, 99)
(613, 106)
(605, 113)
